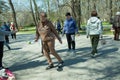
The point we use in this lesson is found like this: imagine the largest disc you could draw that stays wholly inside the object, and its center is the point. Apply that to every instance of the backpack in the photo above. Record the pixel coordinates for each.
(116, 21)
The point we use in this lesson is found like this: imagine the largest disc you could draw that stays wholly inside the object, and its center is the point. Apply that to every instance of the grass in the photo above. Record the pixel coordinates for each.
(32, 30)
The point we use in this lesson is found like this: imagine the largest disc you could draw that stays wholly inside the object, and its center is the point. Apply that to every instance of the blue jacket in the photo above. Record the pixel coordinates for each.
(70, 26)
(6, 28)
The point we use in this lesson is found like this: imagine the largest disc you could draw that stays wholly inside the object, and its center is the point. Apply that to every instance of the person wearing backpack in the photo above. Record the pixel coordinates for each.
(116, 26)
(94, 31)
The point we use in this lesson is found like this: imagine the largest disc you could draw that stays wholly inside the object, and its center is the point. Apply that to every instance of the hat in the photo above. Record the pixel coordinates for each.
(68, 14)
(117, 13)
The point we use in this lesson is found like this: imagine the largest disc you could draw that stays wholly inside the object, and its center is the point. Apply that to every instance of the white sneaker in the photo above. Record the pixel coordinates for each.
(73, 52)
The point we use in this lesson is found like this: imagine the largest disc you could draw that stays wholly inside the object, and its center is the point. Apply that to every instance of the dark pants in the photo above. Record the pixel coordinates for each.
(117, 33)
(59, 31)
(7, 45)
(71, 40)
(7, 38)
(1, 52)
(94, 42)
(13, 36)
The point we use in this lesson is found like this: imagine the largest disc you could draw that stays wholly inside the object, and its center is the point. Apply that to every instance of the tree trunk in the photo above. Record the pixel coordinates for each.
(79, 14)
(36, 11)
(111, 12)
(33, 13)
(14, 14)
(48, 5)
(88, 9)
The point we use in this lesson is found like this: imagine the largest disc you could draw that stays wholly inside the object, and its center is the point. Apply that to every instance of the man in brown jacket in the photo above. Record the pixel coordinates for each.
(116, 26)
(46, 31)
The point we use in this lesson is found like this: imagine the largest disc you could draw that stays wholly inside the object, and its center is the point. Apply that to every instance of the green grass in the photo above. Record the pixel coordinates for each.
(30, 30)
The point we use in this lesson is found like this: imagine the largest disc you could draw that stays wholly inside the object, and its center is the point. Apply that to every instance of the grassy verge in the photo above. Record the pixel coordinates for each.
(30, 30)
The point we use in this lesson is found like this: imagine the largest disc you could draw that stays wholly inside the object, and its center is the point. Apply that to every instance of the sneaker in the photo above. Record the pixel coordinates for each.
(60, 64)
(50, 66)
(3, 73)
(69, 50)
(93, 55)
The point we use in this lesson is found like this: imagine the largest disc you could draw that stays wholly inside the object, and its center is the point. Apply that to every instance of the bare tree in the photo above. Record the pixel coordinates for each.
(36, 11)
(14, 14)
(33, 13)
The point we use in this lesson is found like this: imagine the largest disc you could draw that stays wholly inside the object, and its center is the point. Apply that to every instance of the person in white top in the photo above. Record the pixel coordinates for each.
(94, 30)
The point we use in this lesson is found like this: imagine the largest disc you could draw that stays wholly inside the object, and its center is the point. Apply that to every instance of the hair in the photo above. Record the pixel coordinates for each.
(68, 14)
(94, 13)
(43, 14)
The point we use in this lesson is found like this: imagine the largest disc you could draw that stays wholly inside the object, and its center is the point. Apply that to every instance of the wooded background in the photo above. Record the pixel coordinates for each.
(26, 12)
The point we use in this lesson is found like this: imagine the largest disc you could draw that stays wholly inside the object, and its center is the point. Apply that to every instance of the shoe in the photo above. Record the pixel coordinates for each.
(68, 50)
(60, 64)
(93, 55)
(50, 66)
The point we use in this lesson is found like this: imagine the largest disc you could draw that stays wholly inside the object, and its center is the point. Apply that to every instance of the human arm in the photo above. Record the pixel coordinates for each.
(37, 33)
(55, 32)
(87, 29)
(5, 32)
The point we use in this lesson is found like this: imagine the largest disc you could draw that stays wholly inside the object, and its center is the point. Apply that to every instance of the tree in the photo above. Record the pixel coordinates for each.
(14, 14)
(36, 11)
(32, 11)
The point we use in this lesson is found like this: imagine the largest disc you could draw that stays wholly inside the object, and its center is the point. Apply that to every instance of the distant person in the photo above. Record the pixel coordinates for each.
(12, 28)
(116, 26)
(70, 29)
(46, 31)
(94, 30)
(2, 39)
(58, 27)
(6, 28)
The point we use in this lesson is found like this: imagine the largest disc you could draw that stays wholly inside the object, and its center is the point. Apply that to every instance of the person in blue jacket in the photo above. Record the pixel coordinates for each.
(70, 29)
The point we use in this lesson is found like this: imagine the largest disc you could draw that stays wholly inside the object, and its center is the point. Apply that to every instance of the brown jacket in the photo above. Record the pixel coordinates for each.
(46, 31)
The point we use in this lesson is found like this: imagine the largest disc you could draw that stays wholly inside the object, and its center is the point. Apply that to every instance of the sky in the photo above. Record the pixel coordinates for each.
(24, 4)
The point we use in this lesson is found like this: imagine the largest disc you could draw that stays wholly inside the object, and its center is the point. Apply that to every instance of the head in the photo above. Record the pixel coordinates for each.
(11, 22)
(43, 16)
(4, 23)
(118, 13)
(94, 14)
(68, 15)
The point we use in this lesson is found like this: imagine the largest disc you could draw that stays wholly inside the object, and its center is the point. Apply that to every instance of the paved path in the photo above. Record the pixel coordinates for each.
(26, 62)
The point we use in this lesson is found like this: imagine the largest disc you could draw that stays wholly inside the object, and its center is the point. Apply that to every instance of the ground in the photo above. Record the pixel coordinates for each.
(27, 62)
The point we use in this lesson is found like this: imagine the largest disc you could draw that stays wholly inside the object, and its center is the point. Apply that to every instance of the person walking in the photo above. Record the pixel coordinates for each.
(6, 28)
(2, 39)
(70, 29)
(94, 30)
(116, 26)
(12, 28)
(58, 27)
(47, 32)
